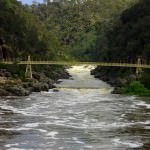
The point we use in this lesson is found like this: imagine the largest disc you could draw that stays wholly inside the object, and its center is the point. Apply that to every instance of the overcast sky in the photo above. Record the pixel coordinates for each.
(30, 1)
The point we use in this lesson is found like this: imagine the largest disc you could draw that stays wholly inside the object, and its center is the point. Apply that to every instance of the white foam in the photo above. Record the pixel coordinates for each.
(42, 130)
(52, 134)
(123, 115)
(60, 148)
(18, 149)
(11, 121)
(52, 117)
(15, 129)
(147, 127)
(83, 80)
(13, 109)
(31, 125)
(131, 144)
(28, 99)
(11, 145)
(23, 129)
(87, 125)
(88, 146)
(77, 140)
(142, 103)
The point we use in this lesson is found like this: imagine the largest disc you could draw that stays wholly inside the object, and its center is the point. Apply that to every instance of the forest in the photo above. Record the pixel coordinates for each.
(83, 30)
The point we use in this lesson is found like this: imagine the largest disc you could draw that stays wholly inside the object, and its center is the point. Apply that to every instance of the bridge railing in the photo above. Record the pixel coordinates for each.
(109, 64)
(29, 62)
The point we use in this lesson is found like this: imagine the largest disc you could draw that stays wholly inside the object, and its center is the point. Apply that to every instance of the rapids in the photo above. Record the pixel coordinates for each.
(81, 115)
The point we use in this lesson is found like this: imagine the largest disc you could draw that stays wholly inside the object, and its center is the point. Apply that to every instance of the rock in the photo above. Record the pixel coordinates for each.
(5, 73)
(97, 75)
(49, 81)
(51, 86)
(45, 87)
(41, 81)
(132, 77)
(36, 75)
(119, 82)
(17, 91)
(117, 90)
(3, 70)
(55, 90)
(3, 92)
(29, 89)
(2, 74)
(30, 80)
(59, 74)
(8, 74)
(25, 85)
(16, 76)
(37, 87)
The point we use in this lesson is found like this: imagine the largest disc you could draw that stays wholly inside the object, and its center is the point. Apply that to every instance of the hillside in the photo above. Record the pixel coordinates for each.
(128, 39)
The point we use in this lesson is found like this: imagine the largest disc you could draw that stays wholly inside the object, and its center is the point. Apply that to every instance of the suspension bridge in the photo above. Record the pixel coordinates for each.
(28, 74)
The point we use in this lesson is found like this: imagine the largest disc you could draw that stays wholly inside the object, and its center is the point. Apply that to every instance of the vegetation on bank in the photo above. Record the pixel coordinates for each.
(136, 88)
(126, 39)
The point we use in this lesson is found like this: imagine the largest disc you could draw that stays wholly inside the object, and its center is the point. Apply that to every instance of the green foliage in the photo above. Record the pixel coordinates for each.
(145, 78)
(125, 39)
(26, 34)
(14, 69)
(74, 22)
(136, 88)
(57, 30)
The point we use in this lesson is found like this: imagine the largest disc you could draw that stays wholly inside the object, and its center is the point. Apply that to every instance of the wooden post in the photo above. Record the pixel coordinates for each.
(138, 68)
(28, 73)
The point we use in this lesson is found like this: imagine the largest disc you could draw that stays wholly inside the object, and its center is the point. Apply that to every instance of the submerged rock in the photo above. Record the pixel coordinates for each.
(55, 90)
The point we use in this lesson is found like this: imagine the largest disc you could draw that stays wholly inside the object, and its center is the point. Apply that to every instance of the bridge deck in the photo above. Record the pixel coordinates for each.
(79, 63)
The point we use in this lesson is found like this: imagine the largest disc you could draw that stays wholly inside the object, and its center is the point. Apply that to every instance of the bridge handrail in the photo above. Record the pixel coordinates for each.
(32, 62)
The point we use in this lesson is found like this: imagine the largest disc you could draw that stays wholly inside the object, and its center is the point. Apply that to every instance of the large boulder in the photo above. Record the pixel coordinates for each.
(131, 77)
(5, 73)
(119, 82)
(37, 76)
(17, 91)
(37, 87)
(117, 90)
(3, 92)
(8, 74)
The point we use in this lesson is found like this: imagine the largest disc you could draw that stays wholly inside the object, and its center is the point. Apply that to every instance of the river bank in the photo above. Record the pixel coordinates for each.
(123, 80)
(12, 85)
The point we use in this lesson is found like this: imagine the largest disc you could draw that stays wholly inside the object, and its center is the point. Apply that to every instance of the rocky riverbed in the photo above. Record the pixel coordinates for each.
(12, 85)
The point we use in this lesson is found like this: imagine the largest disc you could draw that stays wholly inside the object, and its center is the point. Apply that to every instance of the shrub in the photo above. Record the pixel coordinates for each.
(137, 88)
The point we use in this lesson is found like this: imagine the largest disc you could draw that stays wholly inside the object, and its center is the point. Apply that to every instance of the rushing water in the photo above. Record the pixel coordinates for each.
(81, 115)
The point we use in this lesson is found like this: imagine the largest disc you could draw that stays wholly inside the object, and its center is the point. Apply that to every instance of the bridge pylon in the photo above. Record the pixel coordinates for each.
(138, 68)
(28, 73)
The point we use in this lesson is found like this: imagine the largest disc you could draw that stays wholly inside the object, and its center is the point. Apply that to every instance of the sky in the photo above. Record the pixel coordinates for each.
(30, 1)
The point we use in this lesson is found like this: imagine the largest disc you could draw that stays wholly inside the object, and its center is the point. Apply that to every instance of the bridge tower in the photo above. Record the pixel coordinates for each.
(138, 68)
(28, 73)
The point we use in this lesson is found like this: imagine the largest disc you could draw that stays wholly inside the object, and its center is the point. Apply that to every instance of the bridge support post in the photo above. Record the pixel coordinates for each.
(28, 73)
(139, 69)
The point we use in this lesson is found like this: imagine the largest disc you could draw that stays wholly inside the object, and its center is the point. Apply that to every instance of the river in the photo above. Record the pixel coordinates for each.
(81, 114)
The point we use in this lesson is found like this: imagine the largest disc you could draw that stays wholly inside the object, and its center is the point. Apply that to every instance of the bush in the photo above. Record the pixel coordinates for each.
(136, 88)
